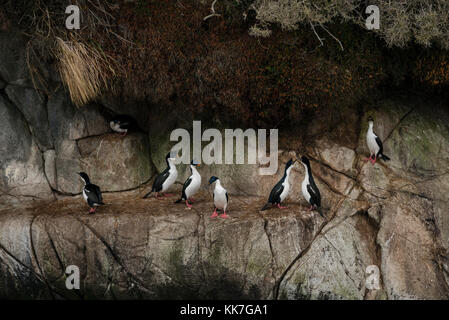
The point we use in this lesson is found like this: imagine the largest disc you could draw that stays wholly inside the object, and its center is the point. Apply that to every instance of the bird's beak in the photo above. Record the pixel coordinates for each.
(198, 165)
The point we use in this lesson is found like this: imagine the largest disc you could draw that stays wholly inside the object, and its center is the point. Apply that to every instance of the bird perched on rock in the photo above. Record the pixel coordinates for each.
(220, 197)
(166, 178)
(191, 185)
(309, 189)
(91, 193)
(281, 190)
(374, 143)
(122, 123)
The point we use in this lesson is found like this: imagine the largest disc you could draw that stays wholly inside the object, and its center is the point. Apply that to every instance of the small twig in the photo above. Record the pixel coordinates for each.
(212, 10)
(314, 31)
(339, 42)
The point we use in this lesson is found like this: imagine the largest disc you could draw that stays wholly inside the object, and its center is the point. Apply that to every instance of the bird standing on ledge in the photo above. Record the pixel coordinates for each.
(220, 198)
(375, 146)
(191, 185)
(281, 190)
(91, 193)
(166, 178)
(309, 189)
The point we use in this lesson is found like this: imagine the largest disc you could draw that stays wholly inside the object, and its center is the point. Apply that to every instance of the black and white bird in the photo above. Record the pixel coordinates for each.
(281, 190)
(91, 193)
(122, 123)
(221, 198)
(374, 143)
(191, 185)
(166, 178)
(309, 189)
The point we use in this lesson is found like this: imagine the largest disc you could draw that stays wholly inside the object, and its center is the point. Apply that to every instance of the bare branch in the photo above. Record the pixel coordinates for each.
(212, 10)
(314, 31)
(339, 42)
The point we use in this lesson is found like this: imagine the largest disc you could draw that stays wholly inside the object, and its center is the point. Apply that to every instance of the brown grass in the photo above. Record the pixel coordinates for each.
(84, 70)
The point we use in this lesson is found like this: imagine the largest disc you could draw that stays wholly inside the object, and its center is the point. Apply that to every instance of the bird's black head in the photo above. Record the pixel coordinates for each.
(85, 177)
(212, 179)
(305, 160)
(370, 119)
(194, 163)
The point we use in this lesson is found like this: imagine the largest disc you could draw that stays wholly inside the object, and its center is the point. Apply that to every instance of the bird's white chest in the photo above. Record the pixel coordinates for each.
(172, 176)
(286, 189)
(194, 185)
(84, 195)
(371, 142)
(304, 190)
(220, 200)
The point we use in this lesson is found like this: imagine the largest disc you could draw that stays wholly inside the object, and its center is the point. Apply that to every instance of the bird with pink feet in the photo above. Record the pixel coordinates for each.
(191, 185)
(281, 190)
(166, 178)
(220, 198)
(374, 143)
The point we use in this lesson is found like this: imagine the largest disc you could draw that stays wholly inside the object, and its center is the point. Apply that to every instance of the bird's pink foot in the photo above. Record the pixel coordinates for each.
(281, 207)
(224, 216)
(188, 204)
(214, 215)
(167, 195)
(373, 161)
(311, 208)
(192, 200)
(157, 196)
(92, 210)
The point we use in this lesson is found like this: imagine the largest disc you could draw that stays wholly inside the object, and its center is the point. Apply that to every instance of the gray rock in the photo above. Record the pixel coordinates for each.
(21, 166)
(95, 121)
(66, 121)
(67, 125)
(13, 64)
(32, 106)
(50, 167)
(115, 162)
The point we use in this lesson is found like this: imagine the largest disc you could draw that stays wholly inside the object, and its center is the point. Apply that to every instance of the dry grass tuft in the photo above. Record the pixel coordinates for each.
(84, 70)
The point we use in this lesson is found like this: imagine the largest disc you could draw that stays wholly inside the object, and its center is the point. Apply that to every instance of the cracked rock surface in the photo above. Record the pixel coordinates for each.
(393, 216)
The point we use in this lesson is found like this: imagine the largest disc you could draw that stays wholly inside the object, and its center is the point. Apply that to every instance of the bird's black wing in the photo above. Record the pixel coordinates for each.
(186, 184)
(315, 197)
(126, 122)
(275, 194)
(227, 198)
(93, 194)
(379, 143)
(160, 179)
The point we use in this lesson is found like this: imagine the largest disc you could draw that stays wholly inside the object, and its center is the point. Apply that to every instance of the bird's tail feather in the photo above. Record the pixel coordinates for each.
(266, 206)
(385, 158)
(148, 194)
(102, 203)
(178, 201)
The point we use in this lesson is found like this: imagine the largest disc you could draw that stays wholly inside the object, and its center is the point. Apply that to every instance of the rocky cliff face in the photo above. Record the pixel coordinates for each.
(393, 215)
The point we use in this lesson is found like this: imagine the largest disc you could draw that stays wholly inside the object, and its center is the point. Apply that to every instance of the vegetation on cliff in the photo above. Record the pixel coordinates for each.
(167, 53)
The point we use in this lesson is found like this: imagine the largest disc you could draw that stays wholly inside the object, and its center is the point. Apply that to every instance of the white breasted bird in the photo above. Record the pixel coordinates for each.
(91, 193)
(122, 123)
(281, 190)
(374, 143)
(191, 185)
(166, 178)
(220, 198)
(309, 189)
